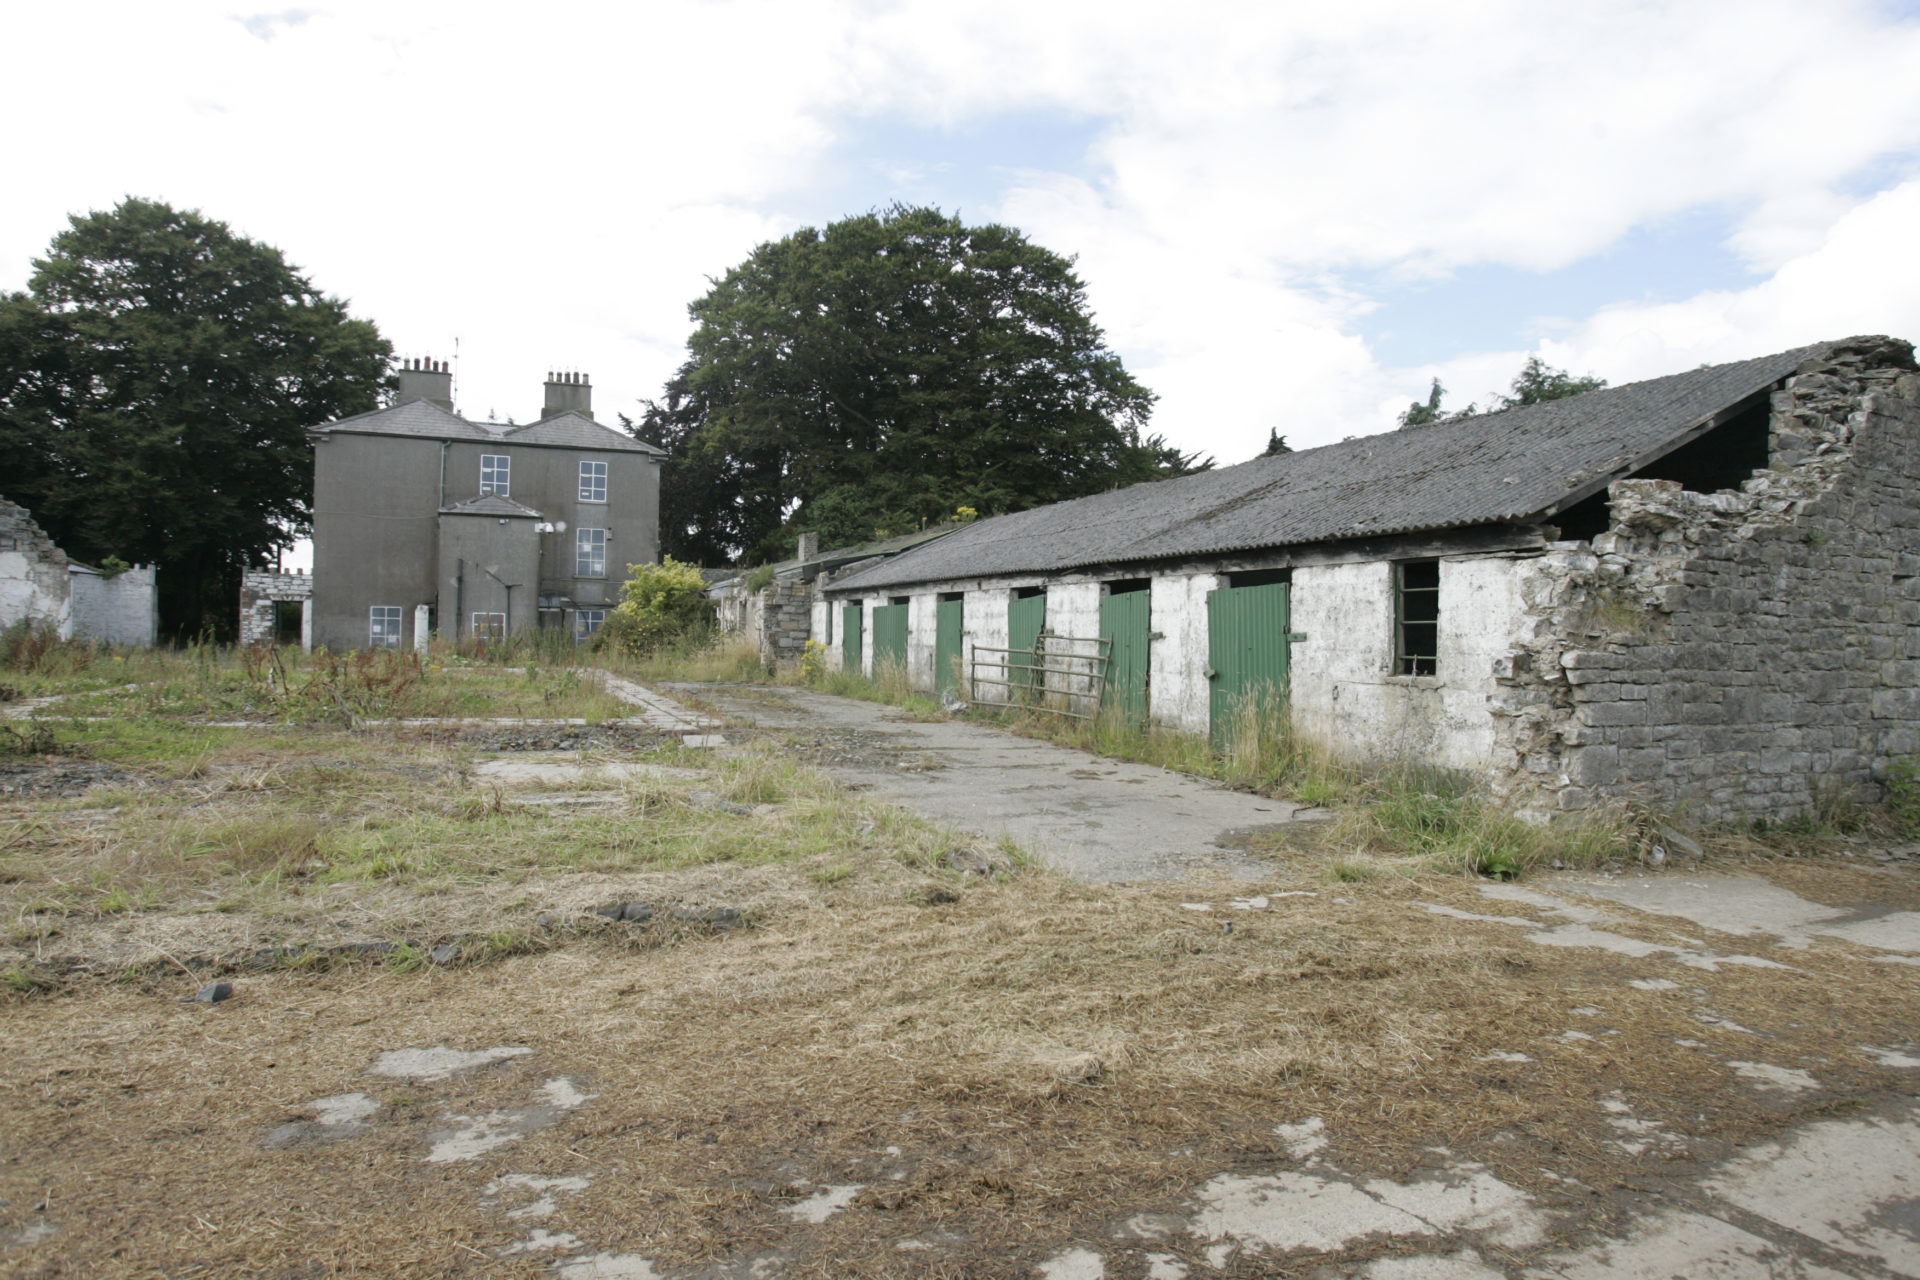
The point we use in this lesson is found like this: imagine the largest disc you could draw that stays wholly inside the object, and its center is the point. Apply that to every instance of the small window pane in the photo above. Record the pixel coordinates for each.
(590, 559)
(1416, 607)
(586, 622)
(593, 482)
(489, 626)
(383, 626)
(496, 474)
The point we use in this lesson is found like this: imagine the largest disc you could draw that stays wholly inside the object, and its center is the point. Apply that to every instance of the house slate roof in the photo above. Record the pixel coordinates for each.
(423, 418)
(492, 504)
(1488, 469)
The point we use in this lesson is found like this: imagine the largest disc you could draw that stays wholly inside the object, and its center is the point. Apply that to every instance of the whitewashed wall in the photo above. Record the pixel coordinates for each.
(986, 625)
(1179, 694)
(825, 633)
(36, 589)
(1344, 689)
(923, 626)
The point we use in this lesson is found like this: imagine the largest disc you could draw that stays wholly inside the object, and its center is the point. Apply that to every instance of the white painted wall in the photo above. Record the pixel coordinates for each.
(1073, 609)
(1343, 687)
(820, 625)
(31, 588)
(986, 625)
(923, 624)
(1179, 693)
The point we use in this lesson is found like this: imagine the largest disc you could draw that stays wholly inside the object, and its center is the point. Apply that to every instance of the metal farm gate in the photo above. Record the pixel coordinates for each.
(850, 638)
(949, 629)
(1124, 625)
(1248, 648)
(890, 638)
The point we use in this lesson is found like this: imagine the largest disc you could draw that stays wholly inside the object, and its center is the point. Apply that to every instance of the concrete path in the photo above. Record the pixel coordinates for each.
(1091, 818)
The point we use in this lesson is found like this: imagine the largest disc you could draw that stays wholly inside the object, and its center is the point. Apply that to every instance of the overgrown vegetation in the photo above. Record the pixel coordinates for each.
(661, 606)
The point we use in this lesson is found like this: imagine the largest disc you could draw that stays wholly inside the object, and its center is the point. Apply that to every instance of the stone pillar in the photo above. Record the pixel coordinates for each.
(306, 625)
(420, 629)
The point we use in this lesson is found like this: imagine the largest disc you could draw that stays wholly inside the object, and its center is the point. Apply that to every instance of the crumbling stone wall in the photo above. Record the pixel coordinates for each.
(260, 589)
(33, 574)
(1749, 653)
(786, 620)
(778, 618)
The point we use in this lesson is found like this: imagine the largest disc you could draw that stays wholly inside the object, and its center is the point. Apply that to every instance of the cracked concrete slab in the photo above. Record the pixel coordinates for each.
(1089, 817)
(1746, 905)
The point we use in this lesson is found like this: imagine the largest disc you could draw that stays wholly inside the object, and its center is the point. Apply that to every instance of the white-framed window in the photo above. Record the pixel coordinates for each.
(496, 474)
(383, 626)
(489, 626)
(590, 553)
(586, 622)
(593, 482)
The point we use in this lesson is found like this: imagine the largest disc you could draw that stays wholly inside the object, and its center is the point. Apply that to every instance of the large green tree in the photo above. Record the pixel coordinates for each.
(156, 383)
(878, 375)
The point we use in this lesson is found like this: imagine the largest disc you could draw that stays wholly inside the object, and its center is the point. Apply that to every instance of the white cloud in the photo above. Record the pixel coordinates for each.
(554, 184)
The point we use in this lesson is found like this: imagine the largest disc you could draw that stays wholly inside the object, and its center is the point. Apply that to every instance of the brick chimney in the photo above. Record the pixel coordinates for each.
(430, 380)
(568, 393)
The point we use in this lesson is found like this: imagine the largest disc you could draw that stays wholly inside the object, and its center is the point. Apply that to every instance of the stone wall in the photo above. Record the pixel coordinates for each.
(1740, 654)
(260, 589)
(785, 609)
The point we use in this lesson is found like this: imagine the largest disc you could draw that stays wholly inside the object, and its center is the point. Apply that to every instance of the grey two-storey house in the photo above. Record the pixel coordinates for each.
(425, 519)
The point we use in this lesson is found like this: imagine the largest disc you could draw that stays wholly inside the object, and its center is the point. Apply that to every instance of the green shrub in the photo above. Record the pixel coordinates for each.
(660, 605)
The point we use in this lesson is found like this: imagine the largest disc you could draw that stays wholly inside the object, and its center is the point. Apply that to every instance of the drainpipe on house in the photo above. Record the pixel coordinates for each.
(459, 596)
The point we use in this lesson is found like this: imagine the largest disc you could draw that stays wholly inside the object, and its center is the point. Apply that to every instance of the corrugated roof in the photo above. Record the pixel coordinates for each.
(491, 504)
(426, 419)
(1486, 469)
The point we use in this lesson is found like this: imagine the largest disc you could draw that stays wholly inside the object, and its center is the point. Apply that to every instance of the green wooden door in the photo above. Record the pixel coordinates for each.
(890, 638)
(1123, 622)
(1247, 649)
(850, 638)
(1025, 619)
(949, 626)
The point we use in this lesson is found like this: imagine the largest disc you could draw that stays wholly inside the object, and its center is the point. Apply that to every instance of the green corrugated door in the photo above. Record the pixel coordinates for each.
(850, 638)
(889, 638)
(949, 626)
(1025, 618)
(1123, 620)
(1247, 647)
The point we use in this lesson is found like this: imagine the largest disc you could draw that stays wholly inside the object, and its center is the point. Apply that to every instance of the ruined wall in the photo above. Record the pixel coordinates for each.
(1179, 694)
(785, 608)
(33, 574)
(119, 609)
(259, 590)
(1744, 653)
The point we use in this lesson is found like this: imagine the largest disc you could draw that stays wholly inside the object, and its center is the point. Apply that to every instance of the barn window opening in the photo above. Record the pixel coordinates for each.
(1416, 608)
(1723, 458)
(1127, 586)
(1259, 578)
(1028, 593)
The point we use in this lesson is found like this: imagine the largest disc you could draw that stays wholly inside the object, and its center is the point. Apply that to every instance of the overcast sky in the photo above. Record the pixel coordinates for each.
(1287, 215)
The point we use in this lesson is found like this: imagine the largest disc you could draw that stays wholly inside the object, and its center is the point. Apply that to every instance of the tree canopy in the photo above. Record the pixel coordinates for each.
(878, 375)
(156, 383)
(1536, 383)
